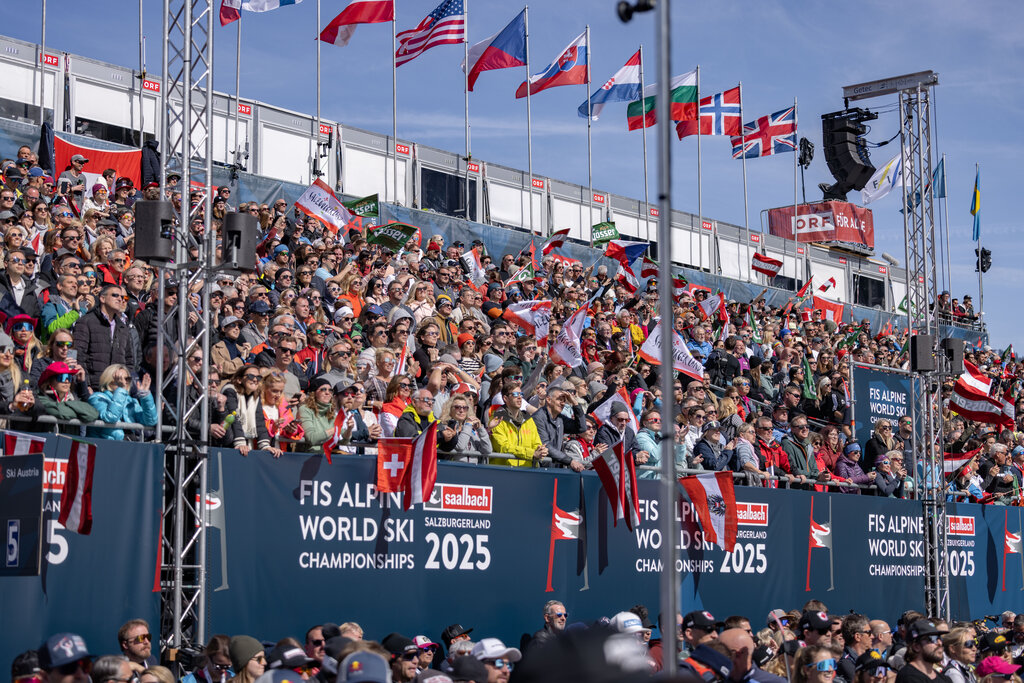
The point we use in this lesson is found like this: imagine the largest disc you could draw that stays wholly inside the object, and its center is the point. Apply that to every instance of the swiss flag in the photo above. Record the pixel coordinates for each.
(408, 465)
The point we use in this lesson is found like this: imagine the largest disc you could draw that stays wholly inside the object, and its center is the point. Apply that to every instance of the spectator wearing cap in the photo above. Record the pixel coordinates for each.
(713, 454)
(553, 424)
(497, 657)
(924, 653)
(849, 469)
(428, 649)
(258, 315)
(231, 352)
(404, 657)
(616, 429)
(448, 331)
(815, 627)
(418, 415)
(454, 633)
(65, 658)
(364, 667)
(555, 616)
(698, 628)
(97, 200)
(13, 282)
(75, 171)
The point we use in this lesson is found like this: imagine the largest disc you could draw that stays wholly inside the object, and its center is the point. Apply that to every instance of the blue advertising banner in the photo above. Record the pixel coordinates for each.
(984, 559)
(21, 517)
(877, 395)
(317, 543)
(92, 584)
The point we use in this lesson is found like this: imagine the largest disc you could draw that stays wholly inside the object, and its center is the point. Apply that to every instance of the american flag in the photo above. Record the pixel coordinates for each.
(445, 25)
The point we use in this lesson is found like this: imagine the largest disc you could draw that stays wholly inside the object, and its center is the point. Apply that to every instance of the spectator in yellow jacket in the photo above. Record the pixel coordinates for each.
(514, 432)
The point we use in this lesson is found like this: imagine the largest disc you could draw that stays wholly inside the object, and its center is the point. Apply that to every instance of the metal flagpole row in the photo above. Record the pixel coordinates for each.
(42, 70)
(529, 117)
(316, 126)
(796, 199)
(643, 131)
(945, 221)
(746, 215)
(981, 276)
(142, 81)
(394, 104)
(238, 88)
(590, 159)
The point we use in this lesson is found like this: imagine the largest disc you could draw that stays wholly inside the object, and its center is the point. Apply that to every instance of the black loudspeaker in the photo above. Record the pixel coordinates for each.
(922, 353)
(154, 230)
(845, 150)
(954, 351)
(239, 247)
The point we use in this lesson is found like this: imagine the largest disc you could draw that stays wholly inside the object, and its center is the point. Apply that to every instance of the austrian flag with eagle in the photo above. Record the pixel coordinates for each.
(772, 134)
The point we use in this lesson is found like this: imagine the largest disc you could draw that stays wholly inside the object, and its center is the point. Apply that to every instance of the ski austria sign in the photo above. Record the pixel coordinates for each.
(320, 544)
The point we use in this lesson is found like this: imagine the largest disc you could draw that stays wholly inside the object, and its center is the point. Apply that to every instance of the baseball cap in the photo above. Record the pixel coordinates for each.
(230, 320)
(397, 644)
(261, 307)
(779, 614)
(62, 648)
(493, 648)
(469, 669)
(422, 642)
(454, 631)
(5, 215)
(815, 621)
(990, 642)
(284, 657)
(79, 157)
(281, 249)
(871, 660)
(712, 425)
(996, 665)
(365, 667)
(26, 664)
(627, 622)
(923, 627)
(702, 620)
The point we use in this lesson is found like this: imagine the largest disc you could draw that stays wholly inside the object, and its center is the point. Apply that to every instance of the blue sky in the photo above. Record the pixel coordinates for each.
(779, 50)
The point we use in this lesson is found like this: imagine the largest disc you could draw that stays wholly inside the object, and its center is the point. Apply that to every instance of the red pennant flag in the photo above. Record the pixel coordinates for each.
(76, 499)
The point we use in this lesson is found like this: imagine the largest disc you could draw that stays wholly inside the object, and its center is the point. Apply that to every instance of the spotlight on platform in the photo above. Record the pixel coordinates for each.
(626, 10)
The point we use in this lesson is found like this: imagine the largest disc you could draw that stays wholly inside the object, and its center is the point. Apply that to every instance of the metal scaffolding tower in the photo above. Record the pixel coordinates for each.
(186, 125)
(913, 91)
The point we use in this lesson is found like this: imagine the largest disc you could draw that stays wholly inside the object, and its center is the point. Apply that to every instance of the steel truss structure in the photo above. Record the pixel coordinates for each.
(184, 326)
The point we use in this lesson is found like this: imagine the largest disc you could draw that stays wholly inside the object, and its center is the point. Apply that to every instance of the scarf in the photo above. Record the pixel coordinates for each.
(247, 414)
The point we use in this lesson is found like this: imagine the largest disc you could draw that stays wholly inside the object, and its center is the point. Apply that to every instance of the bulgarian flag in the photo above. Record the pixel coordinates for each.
(682, 97)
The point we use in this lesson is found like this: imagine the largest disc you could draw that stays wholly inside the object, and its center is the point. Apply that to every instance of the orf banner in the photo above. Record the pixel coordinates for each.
(128, 164)
(90, 585)
(878, 395)
(830, 221)
(21, 520)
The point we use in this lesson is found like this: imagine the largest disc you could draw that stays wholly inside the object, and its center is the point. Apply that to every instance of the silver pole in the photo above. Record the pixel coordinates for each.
(981, 286)
(238, 88)
(394, 103)
(700, 203)
(465, 90)
(529, 115)
(142, 80)
(590, 158)
(316, 128)
(795, 175)
(746, 215)
(945, 221)
(42, 71)
(669, 492)
(643, 132)
(911, 300)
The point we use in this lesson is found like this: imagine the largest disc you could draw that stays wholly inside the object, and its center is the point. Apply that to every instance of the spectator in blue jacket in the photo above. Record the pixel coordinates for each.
(122, 400)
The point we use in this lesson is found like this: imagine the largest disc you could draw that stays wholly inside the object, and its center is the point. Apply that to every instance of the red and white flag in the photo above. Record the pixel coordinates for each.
(953, 462)
(17, 443)
(678, 287)
(402, 361)
(968, 403)
(765, 265)
(336, 435)
(714, 499)
(975, 380)
(76, 499)
(714, 304)
(474, 268)
(554, 242)
(618, 477)
(682, 360)
(603, 412)
(421, 468)
(648, 268)
(320, 202)
(533, 316)
(827, 285)
(566, 348)
(341, 28)
(627, 279)
(229, 9)
(830, 310)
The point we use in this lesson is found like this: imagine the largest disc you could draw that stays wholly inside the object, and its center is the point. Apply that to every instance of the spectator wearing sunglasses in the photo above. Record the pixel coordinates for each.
(815, 664)
(15, 282)
(136, 642)
(121, 399)
(404, 657)
(56, 397)
(924, 652)
(103, 337)
(217, 665)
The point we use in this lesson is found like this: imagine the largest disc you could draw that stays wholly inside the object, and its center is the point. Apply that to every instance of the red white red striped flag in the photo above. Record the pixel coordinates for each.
(618, 477)
(341, 28)
(648, 268)
(714, 499)
(554, 242)
(765, 265)
(421, 470)
(16, 443)
(76, 499)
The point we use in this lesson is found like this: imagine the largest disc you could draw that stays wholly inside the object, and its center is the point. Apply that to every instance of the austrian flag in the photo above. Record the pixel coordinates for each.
(341, 28)
(76, 499)
(714, 499)
(765, 265)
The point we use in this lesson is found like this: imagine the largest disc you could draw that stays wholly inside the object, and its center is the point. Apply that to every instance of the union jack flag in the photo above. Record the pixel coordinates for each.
(719, 115)
(772, 134)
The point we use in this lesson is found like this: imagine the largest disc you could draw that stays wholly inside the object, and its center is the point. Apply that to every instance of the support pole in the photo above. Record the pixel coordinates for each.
(394, 103)
(945, 221)
(42, 70)
(795, 200)
(669, 488)
(465, 89)
(981, 275)
(316, 126)
(590, 158)
(643, 131)
(529, 115)
(142, 81)
(238, 87)
(746, 214)
(700, 193)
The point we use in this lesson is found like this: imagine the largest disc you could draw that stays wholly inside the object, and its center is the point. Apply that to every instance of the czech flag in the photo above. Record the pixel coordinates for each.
(570, 68)
(625, 251)
(501, 51)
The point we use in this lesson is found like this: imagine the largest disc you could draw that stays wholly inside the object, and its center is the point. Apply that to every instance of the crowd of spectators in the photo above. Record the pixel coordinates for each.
(331, 324)
(808, 645)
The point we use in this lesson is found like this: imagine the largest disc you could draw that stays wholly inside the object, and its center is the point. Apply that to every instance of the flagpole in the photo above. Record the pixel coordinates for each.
(981, 287)
(238, 84)
(795, 176)
(142, 81)
(465, 48)
(316, 129)
(700, 204)
(746, 214)
(394, 103)
(590, 158)
(945, 211)
(42, 72)
(529, 115)
(643, 120)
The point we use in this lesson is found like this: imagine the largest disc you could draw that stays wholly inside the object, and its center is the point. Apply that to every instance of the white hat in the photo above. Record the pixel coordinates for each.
(342, 312)
(627, 622)
(422, 642)
(492, 648)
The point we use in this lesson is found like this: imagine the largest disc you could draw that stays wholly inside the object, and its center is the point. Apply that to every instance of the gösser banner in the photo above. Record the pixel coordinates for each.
(92, 584)
(830, 221)
(878, 395)
(295, 542)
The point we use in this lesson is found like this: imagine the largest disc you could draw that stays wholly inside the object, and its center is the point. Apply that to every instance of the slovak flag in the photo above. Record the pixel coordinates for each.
(624, 86)
(229, 9)
(76, 499)
(341, 28)
(503, 50)
(554, 242)
(625, 251)
(569, 68)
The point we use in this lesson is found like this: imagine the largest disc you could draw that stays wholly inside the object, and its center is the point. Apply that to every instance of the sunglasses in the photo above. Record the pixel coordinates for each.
(23, 327)
(141, 638)
(824, 665)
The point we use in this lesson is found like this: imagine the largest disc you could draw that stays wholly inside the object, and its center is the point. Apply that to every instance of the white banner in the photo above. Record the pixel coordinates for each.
(318, 201)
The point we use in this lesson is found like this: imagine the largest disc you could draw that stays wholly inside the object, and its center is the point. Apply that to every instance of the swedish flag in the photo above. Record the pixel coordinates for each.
(976, 206)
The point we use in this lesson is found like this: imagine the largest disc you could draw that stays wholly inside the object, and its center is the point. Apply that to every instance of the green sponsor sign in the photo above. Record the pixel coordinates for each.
(603, 232)
(367, 206)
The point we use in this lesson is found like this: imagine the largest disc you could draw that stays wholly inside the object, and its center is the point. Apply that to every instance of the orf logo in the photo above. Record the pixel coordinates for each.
(569, 59)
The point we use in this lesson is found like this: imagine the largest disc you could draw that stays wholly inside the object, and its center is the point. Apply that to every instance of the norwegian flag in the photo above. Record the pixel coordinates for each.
(767, 135)
(648, 268)
(16, 443)
(556, 240)
(76, 499)
(719, 115)
(765, 265)
(829, 284)
(618, 477)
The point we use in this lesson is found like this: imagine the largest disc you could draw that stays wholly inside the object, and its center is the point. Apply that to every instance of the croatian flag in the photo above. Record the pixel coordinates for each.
(624, 86)
(229, 9)
(503, 50)
(570, 68)
(343, 26)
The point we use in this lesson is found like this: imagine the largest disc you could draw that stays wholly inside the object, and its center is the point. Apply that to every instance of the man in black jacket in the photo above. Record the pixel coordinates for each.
(14, 282)
(102, 336)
